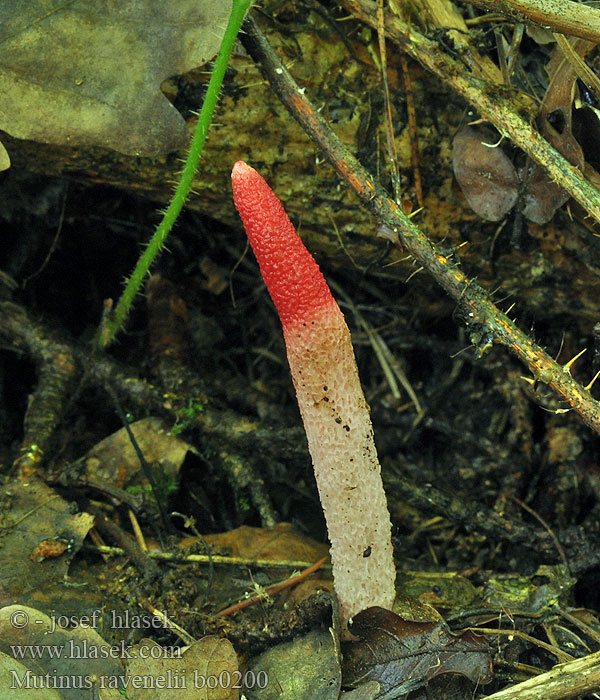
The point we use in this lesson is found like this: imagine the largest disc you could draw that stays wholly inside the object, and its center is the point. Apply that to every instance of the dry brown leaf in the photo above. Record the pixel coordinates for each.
(88, 73)
(485, 175)
(71, 656)
(207, 670)
(37, 514)
(491, 184)
(116, 460)
(556, 110)
(541, 197)
(281, 542)
(402, 655)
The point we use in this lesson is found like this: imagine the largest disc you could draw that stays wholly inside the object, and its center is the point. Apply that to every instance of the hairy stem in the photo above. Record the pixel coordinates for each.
(115, 319)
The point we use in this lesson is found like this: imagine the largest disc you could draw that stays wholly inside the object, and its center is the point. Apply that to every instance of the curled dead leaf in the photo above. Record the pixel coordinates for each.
(402, 655)
(486, 176)
(492, 186)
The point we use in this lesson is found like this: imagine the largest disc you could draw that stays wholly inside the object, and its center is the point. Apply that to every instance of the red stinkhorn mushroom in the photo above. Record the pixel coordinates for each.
(332, 404)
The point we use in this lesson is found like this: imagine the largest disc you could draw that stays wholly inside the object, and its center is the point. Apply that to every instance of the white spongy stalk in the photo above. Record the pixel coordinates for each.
(340, 439)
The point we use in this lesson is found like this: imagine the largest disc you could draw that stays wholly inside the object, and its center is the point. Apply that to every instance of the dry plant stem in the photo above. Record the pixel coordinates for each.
(214, 558)
(495, 103)
(576, 678)
(478, 310)
(167, 623)
(141, 560)
(491, 632)
(444, 16)
(389, 121)
(562, 16)
(591, 632)
(413, 130)
(584, 72)
(274, 589)
(137, 531)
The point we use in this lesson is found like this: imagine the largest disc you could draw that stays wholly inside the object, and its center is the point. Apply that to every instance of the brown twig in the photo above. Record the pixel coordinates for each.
(106, 526)
(272, 590)
(480, 314)
(412, 129)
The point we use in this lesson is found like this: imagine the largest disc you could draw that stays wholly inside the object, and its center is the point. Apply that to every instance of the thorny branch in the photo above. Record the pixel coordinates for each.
(231, 429)
(496, 103)
(482, 317)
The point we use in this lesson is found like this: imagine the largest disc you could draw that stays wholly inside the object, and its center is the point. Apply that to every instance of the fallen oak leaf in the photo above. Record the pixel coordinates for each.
(402, 655)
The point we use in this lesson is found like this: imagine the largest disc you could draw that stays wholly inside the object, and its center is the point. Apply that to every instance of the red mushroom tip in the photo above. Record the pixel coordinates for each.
(293, 278)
